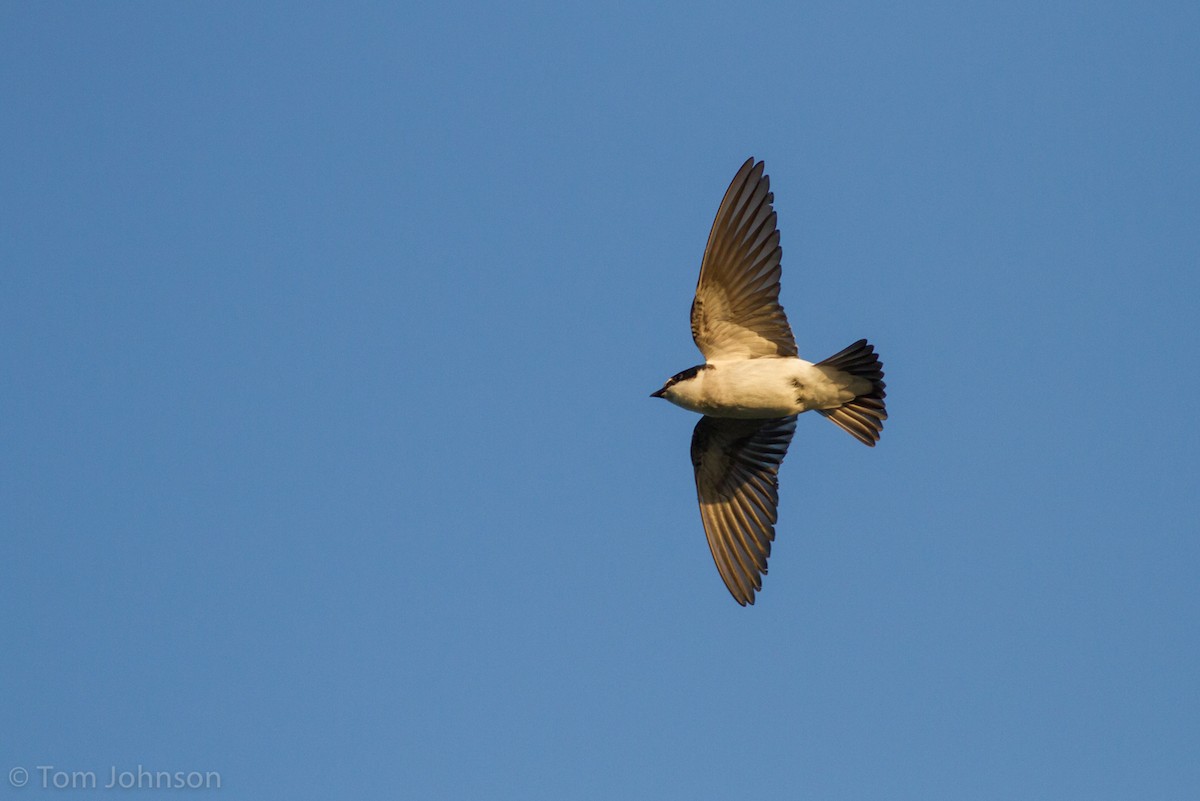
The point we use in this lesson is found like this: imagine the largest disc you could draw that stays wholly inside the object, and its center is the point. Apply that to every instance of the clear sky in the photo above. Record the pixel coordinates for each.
(327, 461)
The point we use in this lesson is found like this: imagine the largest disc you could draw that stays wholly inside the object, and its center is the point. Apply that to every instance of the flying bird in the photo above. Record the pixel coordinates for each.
(753, 384)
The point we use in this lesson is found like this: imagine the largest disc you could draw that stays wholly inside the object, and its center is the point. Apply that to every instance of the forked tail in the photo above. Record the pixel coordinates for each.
(862, 417)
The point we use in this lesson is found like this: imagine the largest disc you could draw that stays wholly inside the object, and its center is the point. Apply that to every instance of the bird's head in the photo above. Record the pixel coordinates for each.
(668, 389)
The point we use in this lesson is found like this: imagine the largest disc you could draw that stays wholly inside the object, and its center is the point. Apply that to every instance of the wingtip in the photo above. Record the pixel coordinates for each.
(742, 601)
(750, 166)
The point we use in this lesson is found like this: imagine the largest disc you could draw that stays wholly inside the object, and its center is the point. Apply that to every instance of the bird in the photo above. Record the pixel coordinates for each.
(753, 384)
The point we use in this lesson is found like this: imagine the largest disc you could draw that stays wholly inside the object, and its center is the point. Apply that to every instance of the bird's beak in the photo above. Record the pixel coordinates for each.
(658, 394)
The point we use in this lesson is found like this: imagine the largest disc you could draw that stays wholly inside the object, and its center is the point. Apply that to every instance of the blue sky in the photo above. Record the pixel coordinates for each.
(327, 460)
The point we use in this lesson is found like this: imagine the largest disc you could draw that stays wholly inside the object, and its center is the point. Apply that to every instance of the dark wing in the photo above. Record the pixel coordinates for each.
(736, 312)
(737, 464)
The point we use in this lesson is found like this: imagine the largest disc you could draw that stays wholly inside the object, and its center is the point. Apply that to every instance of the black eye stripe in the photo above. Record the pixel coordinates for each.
(686, 374)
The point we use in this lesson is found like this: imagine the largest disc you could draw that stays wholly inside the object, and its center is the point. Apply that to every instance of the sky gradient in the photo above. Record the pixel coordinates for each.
(327, 460)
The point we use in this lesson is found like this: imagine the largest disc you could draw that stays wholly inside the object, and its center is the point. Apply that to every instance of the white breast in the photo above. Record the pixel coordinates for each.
(765, 387)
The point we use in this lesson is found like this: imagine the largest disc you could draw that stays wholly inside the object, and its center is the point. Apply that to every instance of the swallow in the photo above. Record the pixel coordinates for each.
(753, 384)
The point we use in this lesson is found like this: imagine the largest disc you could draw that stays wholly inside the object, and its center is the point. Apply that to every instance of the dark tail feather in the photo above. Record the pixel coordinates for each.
(862, 417)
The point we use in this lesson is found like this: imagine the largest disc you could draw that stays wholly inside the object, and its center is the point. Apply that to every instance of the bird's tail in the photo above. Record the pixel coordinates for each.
(862, 417)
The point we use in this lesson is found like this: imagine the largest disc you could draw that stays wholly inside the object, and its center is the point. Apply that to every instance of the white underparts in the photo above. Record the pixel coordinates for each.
(765, 387)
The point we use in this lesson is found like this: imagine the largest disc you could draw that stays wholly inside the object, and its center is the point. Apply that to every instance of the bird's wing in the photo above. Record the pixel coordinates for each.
(737, 464)
(736, 312)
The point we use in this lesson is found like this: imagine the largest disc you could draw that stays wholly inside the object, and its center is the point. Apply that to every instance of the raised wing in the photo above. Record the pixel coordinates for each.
(736, 313)
(737, 464)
